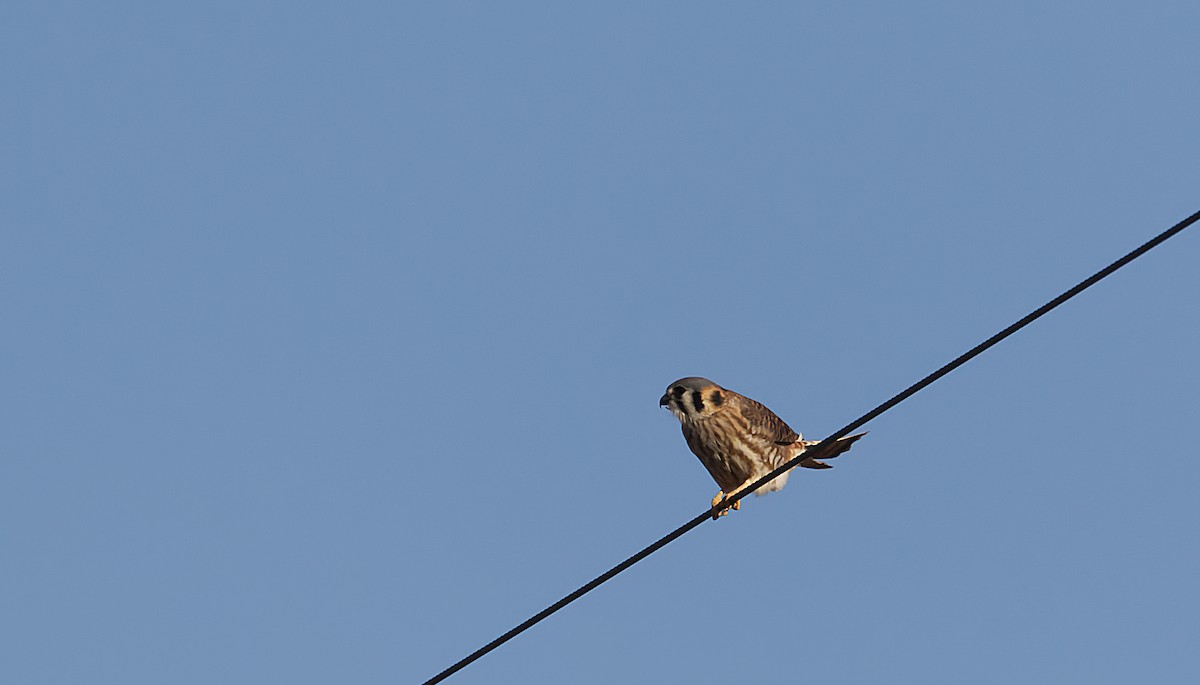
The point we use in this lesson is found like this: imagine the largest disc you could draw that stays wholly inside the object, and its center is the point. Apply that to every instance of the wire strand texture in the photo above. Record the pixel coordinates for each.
(818, 448)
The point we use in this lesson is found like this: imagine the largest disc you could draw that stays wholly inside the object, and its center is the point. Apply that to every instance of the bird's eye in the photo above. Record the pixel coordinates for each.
(677, 392)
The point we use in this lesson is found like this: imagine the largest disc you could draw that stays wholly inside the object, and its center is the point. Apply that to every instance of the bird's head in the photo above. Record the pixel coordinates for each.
(693, 399)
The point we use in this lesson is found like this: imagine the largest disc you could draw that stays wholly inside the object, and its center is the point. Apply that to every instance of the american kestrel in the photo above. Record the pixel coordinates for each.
(737, 439)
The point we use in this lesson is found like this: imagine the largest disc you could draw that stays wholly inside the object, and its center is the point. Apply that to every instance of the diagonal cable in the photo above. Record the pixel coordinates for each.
(820, 447)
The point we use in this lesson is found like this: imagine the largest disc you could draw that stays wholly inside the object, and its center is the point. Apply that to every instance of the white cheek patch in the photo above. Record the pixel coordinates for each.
(679, 405)
(680, 414)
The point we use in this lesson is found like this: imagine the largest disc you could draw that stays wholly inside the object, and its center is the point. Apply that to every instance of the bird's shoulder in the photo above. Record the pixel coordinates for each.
(763, 422)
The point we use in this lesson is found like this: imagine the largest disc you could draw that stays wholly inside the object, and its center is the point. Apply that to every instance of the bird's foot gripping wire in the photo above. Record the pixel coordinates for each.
(720, 498)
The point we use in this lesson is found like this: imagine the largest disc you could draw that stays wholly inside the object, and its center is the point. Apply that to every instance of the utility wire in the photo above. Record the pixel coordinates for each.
(817, 449)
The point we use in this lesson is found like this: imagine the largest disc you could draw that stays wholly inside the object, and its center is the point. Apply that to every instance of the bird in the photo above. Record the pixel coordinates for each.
(738, 439)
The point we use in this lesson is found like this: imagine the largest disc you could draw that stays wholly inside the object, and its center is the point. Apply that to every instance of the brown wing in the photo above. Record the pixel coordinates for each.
(764, 423)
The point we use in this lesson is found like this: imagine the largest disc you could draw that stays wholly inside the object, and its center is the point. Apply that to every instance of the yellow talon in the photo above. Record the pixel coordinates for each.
(718, 499)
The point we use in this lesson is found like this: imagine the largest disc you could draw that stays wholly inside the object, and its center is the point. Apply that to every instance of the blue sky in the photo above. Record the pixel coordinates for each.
(335, 334)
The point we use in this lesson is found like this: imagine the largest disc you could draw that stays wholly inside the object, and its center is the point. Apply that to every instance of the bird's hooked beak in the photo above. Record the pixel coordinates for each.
(662, 402)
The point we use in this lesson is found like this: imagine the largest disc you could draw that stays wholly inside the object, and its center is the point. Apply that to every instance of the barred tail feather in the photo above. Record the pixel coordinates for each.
(830, 452)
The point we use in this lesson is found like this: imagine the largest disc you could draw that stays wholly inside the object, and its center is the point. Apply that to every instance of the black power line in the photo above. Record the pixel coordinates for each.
(818, 448)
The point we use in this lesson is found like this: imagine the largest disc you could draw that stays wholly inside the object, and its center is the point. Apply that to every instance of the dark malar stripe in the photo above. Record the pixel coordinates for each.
(698, 401)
